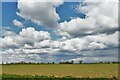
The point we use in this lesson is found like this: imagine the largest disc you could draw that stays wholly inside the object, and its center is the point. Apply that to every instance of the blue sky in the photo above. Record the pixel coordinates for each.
(72, 36)
(65, 11)
(9, 14)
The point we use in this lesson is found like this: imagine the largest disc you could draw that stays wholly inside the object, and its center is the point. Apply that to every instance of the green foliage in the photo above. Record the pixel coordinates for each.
(36, 77)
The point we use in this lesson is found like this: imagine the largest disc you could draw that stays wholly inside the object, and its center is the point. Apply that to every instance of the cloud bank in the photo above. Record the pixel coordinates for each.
(98, 31)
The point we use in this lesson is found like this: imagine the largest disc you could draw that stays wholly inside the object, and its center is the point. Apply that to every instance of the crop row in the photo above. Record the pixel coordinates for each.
(36, 77)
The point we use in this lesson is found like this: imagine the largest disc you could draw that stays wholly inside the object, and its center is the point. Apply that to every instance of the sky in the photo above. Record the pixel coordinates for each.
(35, 31)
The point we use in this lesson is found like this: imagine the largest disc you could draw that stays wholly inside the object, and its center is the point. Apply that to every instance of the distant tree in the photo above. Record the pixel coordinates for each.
(53, 62)
(60, 62)
(37, 62)
(30, 63)
(7, 63)
(42, 63)
(72, 61)
(80, 62)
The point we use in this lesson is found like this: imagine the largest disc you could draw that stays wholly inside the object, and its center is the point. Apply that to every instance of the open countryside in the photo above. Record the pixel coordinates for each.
(61, 70)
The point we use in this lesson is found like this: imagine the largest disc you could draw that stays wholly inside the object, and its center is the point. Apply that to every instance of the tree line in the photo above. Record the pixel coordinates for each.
(64, 62)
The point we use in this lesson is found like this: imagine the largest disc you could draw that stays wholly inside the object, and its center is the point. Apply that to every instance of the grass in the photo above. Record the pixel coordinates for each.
(61, 70)
(36, 77)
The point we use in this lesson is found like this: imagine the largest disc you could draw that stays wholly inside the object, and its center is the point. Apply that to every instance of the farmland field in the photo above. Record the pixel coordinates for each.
(60, 70)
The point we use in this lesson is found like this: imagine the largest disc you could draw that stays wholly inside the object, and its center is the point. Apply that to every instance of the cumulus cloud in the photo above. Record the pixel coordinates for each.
(108, 40)
(31, 41)
(91, 42)
(101, 17)
(31, 35)
(43, 44)
(77, 27)
(97, 31)
(42, 13)
(86, 56)
(26, 36)
(8, 33)
(7, 42)
(95, 59)
(17, 23)
(107, 11)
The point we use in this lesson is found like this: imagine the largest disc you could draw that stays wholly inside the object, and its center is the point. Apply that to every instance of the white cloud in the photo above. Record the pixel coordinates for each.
(77, 35)
(30, 39)
(63, 33)
(95, 45)
(27, 46)
(91, 42)
(43, 44)
(8, 33)
(101, 1)
(56, 44)
(78, 27)
(74, 46)
(7, 42)
(31, 35)
(108, 40)
(105, 13)
(42, 13)
(101, 17)
(17, 23)
(35, 51)
(26, 36)
(95, 59)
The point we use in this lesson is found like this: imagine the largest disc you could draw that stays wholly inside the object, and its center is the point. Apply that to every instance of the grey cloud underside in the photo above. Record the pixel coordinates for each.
(93, 32)
(38, 50)
(91, 56)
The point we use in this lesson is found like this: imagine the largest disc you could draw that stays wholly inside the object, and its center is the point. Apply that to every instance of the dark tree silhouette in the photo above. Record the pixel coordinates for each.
(72, 61)
(80, 62)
